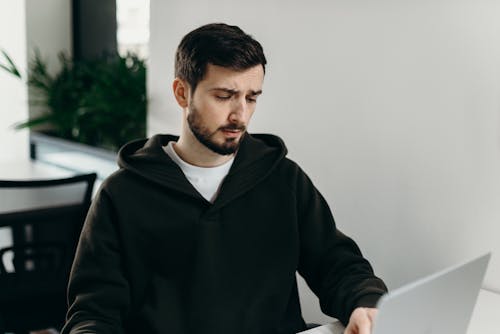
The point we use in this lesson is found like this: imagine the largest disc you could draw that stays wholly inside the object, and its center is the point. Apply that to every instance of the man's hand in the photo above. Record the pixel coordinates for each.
(361, 321)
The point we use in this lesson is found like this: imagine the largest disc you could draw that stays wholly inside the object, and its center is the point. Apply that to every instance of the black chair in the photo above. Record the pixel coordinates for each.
(39, 230)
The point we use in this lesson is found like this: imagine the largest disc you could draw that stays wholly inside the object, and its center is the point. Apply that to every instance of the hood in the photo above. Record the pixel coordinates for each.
(257, 157)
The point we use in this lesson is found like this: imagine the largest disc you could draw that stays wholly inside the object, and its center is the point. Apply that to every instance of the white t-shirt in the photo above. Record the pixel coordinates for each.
(206, 180)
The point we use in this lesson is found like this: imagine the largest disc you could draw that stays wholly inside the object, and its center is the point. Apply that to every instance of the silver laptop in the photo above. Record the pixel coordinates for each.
(441, 303)
(438, 304)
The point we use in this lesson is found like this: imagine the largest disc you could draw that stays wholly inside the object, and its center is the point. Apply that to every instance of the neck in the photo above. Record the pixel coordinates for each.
(195, 153)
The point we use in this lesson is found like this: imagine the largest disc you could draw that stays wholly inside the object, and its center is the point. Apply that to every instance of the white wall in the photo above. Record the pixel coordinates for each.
(25, 25)
(13, 94)
(392, 107)
(48, 29)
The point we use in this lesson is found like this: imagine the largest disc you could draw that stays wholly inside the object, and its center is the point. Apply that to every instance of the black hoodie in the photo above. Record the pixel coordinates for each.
(156, 257)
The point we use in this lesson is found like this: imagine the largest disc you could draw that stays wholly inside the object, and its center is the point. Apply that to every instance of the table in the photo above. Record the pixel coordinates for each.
(485, 316)
(25, 169)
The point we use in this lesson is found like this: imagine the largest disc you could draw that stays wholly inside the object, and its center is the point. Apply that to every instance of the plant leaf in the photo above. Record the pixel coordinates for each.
(12, 69)
(33, 122)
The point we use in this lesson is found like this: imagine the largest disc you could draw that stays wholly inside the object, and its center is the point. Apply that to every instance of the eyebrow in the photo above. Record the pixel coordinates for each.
(233, 91)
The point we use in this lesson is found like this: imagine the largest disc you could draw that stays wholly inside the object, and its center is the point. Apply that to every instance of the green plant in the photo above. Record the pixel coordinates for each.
(10, 67)
(100, 102)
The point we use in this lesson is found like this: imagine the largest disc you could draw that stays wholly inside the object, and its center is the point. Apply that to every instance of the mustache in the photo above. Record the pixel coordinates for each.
(235, 126)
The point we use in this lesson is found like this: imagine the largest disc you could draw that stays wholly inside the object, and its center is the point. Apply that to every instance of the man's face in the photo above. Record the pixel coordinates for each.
(220, 109)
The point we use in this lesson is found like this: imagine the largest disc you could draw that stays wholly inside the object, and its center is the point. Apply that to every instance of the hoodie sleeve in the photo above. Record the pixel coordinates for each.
(98, 292)
(330, 262)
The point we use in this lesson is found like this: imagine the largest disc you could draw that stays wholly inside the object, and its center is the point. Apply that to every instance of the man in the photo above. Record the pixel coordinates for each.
(203, 233)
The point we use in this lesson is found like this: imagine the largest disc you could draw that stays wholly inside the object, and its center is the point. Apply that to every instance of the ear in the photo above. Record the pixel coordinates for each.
(181, 92)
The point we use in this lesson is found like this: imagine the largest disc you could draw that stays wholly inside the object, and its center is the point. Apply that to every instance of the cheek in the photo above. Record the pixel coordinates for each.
(207, 110)
(214, 114)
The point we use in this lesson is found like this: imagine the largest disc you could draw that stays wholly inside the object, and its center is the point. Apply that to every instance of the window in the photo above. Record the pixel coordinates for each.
(132, 34)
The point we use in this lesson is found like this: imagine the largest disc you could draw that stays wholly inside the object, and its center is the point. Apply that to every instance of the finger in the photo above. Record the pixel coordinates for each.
(362, 322)
(372, 313)
(348, 329)
(364, 327)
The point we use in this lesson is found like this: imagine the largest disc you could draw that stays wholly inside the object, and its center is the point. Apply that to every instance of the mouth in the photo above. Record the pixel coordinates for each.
(232, 133)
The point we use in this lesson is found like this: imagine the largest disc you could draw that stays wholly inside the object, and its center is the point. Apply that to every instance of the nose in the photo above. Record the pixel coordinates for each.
(238, 110)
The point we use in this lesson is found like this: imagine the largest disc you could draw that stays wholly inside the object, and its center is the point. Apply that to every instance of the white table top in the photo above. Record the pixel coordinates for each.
(25, 169)
(484, 318)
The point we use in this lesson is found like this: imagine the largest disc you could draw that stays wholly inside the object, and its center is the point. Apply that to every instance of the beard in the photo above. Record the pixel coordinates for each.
(205, 137)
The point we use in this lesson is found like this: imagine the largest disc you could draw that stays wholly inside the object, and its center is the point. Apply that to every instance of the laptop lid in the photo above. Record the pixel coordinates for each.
(441, 303)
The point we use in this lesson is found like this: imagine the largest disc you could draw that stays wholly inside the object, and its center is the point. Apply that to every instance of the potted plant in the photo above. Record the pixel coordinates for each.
(101, 102)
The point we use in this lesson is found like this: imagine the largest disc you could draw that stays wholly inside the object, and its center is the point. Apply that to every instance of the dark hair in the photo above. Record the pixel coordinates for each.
(217, 44)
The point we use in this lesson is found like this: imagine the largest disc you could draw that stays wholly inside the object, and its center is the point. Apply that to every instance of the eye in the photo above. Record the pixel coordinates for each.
(251, 99)
(223, 97)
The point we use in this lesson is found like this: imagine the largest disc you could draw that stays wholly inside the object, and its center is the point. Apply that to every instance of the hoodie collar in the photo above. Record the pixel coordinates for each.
(256, 158)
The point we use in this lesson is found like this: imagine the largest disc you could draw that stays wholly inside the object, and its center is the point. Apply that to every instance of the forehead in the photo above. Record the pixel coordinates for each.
(223, 77)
